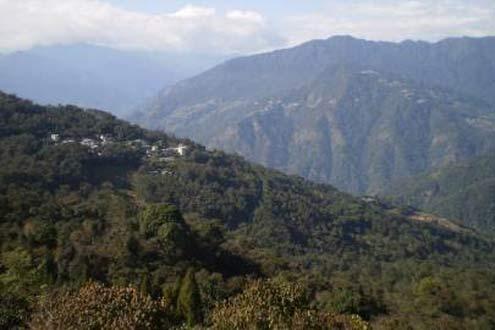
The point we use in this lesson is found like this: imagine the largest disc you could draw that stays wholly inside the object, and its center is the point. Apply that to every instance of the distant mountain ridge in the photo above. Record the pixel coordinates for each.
(465, 61)
(353, 113)
(94, 76)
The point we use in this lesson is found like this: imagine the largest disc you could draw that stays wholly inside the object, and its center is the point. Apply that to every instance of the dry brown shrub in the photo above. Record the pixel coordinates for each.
(95, 306)
(277, 305)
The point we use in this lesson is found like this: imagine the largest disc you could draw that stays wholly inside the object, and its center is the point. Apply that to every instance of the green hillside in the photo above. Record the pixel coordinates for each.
(84, 196)
(465, 191)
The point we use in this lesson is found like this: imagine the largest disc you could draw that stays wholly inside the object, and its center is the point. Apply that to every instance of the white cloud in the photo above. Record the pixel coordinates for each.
(396, 20)
(190, 11)
(248, 16)
(27, 23)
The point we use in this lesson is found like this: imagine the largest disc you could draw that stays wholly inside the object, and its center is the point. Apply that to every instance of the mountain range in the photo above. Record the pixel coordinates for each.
(354, 113)
(103, 222)
(95, 76)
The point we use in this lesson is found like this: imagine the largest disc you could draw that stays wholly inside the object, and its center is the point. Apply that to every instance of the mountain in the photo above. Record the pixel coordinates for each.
(85, 196)
(463, 191)
(93, 76)
(353, 113)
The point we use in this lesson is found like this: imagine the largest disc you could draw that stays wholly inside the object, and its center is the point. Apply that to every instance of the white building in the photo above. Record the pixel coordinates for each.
(55, 137)
(181, 149)
(89, 143)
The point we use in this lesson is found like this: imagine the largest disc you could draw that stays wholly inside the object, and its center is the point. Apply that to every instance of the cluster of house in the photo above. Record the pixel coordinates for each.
(160, 155)
(93, 144)
(166, 154)
(155, 151)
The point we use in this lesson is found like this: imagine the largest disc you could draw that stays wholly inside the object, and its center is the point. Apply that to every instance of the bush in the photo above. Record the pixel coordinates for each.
(277, 305)
(95, 306)
(14, 311)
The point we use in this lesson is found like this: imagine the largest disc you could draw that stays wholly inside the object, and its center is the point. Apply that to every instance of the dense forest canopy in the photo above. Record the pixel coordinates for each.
(463, 191)
(113, 221)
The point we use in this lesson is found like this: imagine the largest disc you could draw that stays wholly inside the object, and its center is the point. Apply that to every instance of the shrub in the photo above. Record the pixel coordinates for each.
(14, 311)
(277, 305)
(95, 306)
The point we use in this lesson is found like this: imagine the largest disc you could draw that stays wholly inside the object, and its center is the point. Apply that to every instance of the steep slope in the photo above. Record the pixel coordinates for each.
(211, 185)
(94, 76)
(325, 109)
(86, 196)
(464, 191)
(356, 129)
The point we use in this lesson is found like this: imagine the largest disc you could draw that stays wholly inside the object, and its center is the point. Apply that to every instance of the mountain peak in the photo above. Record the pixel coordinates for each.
(328, 122)
(343, 37)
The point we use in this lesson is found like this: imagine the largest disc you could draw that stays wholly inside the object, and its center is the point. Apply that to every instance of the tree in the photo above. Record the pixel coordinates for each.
(154, 216)
(21, 276)
(189, 300)
(274, 304)
(164, 224)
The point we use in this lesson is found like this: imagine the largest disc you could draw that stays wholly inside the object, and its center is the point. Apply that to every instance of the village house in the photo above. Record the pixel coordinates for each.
(55, 137)
(104, 139)
(180, 149)
(92, 144)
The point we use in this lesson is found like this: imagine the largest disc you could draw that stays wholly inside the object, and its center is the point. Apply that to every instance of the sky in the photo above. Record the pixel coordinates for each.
(234, 26)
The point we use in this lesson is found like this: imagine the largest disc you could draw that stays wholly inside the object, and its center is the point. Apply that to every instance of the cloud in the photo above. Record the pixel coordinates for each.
(190, 11)
(247, 16)
(395, 21)
(28, 23)
(201, 29)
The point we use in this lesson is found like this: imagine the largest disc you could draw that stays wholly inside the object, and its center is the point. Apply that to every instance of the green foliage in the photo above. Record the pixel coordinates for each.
(153, 217)
(464, 192)
(436, 298)
(39, 232)
(164, 224)
(22, 276)
(189, 300)
(345, 301)
(69, 215)
(14, 311)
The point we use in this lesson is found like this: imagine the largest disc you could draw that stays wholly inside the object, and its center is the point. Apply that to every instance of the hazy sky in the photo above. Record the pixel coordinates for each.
(234, 26)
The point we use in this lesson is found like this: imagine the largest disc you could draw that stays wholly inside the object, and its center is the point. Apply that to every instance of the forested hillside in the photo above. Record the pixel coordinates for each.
(204, 238)
(465, 191)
